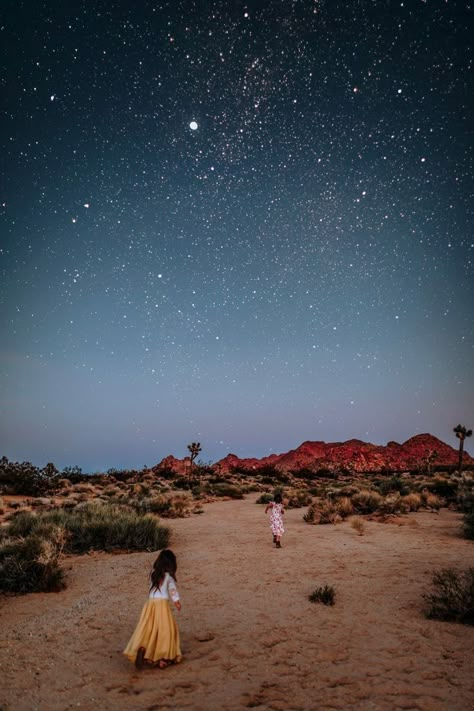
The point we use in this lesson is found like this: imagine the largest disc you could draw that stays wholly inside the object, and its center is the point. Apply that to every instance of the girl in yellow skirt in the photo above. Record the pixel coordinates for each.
(156, 636)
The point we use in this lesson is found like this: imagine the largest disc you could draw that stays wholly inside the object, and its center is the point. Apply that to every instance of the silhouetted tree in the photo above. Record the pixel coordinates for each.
(461, 433)
(194, 449)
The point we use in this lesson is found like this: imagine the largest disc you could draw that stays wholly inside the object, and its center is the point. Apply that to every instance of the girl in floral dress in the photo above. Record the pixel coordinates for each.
(156, 637)
(277, 510)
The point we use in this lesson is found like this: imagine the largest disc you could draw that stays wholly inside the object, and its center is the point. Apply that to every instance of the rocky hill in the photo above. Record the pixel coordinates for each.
(353, 455)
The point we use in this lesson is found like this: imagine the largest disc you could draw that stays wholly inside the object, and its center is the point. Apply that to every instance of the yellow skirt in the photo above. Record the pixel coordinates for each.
(157, 631)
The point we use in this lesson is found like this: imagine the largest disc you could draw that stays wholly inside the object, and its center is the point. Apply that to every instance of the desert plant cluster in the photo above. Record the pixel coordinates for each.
(452, 596)
(324, 594)
(46, 513)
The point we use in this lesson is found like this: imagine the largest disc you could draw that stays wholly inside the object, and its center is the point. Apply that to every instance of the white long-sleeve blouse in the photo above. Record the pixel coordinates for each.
(166, 591)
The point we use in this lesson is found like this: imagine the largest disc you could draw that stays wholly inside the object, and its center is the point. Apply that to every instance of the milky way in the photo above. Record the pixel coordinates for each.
(246, 224)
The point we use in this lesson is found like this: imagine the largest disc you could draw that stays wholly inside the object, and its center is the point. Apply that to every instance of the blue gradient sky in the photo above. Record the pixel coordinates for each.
(299, 266)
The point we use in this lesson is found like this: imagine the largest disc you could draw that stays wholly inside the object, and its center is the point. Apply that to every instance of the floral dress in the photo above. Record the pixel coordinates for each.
(276, 519)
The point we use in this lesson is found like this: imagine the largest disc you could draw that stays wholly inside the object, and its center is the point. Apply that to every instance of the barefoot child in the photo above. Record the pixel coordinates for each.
(156, 636)
(276, 518)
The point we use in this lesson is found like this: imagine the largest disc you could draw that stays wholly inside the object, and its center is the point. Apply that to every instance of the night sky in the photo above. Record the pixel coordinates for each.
(247, 224)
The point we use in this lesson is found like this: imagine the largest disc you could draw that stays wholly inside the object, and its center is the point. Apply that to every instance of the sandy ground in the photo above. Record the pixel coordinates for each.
(250, 636)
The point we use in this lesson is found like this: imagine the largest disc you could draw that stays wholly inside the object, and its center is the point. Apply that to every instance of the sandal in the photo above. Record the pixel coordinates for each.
(162, 664)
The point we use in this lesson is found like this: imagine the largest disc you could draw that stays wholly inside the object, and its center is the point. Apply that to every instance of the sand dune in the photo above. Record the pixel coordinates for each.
(250, 636)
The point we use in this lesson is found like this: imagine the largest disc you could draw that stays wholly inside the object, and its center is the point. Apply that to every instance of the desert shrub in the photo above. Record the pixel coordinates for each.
(344, 506)
(217, 479)
(170, 506)
(250, 488)
(84, 488)
(324, 473)
(431, 501)
(264, 498)
(73, 475)
(64, 483)
(453, 596)
(394, 484)
(298, 499)
(2, 506)
(164, 473)
(366, 501)
(94, 527)
(465, 494)
(410, 502)
(186, 483)
(303, 473)
(122, 474)
(112, 490)
(322, 512)
(225, 489)
(391, 503)
(445, 487)
(26, 479)
(31, 564)
(468, 526)
(343, 491)
(358, 524)
(268, 471)
(324, 594)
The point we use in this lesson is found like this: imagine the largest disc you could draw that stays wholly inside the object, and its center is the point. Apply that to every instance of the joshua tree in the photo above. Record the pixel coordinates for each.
(461, 433)
(430, 458)
(194, 449)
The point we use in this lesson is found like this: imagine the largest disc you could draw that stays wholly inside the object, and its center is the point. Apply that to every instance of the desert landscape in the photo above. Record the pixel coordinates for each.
(250, 636)
(255, 632)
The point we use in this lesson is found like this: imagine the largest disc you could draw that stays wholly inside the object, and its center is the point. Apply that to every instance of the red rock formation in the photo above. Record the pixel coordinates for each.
(353, 455)
(180, 466)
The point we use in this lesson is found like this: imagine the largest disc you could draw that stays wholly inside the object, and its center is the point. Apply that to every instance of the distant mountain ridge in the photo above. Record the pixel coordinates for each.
(354, 455)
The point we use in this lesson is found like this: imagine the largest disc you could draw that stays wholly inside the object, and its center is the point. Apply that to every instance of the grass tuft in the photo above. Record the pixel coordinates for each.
(325, 595)
(358, 524)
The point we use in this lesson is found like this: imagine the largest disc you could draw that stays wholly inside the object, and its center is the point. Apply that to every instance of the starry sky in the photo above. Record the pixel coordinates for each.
(247, 224)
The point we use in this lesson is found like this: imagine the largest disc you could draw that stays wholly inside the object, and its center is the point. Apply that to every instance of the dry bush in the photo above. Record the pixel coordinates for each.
(391, 503)
(468, 526)
(2, 506)
(321, 512)
(366, 501)
(326, 595)
(84, 488)
(111, 490)
(344, 506)
(452, 598)
(64, 483)
(410, 502)
(358, 525)
(70, 503)
(347, 490)
(31, 564)
(431, 501)
(41, 501)
(172, 506)
(297, 499)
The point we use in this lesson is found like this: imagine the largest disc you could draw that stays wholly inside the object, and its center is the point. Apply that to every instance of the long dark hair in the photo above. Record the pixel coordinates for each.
(277, 498)
(165, 563)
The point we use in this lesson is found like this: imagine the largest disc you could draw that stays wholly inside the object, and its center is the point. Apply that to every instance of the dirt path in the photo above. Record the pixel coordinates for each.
(250, 637)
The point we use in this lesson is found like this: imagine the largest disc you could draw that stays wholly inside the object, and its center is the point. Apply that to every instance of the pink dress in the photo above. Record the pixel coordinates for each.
(276, 519)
